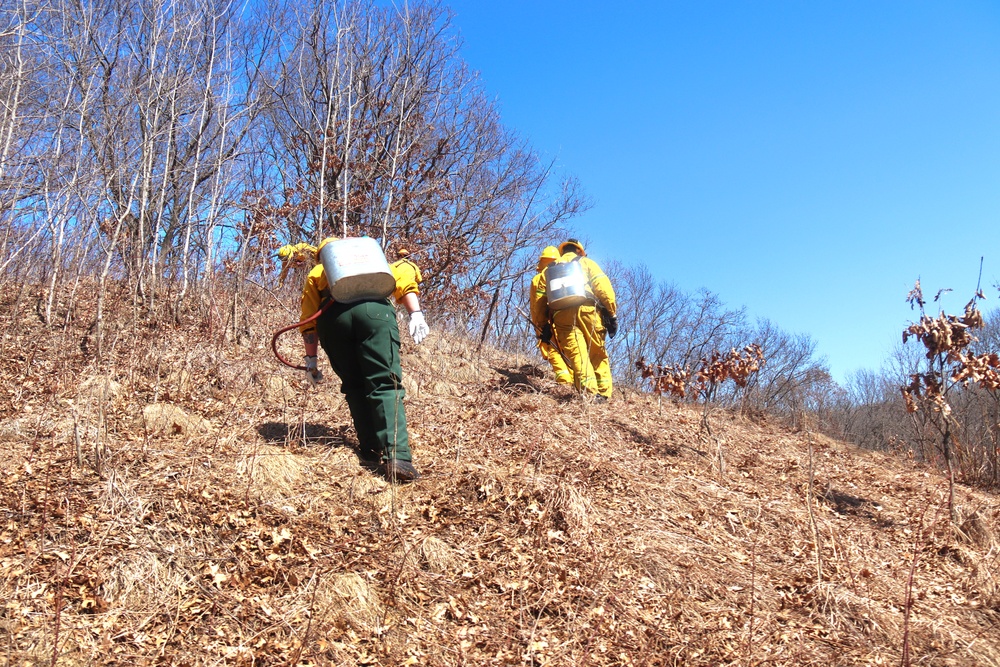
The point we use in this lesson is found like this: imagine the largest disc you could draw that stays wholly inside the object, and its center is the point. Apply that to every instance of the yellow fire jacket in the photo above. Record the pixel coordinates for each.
(317, 289)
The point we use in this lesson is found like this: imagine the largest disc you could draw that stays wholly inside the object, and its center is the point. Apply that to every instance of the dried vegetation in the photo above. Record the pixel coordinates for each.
(236, 527)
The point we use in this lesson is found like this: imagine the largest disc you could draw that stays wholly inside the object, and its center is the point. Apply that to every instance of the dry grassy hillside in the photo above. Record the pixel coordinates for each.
(190, 502)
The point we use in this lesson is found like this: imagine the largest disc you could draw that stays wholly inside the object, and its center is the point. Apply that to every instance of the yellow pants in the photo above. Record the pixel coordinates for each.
(563, 374)
(580, 335)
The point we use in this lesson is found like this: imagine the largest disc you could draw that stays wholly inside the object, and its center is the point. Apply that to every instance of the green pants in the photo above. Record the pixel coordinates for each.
(362, 341)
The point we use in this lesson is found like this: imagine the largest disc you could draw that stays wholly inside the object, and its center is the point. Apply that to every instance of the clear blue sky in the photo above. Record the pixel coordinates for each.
(805, 159)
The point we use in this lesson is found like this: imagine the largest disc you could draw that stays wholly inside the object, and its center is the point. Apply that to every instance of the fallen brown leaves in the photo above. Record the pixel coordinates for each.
(546, 530)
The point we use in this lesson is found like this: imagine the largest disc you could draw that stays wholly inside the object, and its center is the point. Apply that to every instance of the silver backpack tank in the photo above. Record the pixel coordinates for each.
(566, 285)
(356, 270)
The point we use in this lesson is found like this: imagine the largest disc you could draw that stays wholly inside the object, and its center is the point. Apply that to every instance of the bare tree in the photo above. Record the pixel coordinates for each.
(793, 380)
(382, 130)
(149, 144)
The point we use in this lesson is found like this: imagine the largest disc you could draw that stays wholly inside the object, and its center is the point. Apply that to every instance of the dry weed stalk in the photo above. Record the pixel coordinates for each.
(812, 516)
(919, 541)
(753, 596)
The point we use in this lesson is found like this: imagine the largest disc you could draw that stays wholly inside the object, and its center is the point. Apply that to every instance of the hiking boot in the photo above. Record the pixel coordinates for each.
(400, 472)
(371, 465)
(599, 398)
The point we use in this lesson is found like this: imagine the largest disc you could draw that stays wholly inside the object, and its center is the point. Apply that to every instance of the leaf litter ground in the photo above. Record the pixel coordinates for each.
(190, 502)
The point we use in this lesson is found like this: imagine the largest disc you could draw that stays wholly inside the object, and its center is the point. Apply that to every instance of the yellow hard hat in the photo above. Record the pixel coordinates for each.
(572, 245)
(549, 255)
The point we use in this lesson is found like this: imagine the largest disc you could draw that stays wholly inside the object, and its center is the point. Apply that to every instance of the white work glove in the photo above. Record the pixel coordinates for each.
(418, 327)
(313, 374)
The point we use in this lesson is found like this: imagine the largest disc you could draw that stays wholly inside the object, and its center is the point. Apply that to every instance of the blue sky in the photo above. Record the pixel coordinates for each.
(807, 160)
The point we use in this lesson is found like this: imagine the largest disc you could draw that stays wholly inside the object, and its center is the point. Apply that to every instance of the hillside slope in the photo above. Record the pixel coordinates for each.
(546, 530)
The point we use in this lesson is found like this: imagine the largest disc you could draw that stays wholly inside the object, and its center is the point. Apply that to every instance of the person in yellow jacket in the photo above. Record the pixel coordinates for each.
(361, 340)
(405, 270)
(579, 331)
(552, 355)
(296, 256)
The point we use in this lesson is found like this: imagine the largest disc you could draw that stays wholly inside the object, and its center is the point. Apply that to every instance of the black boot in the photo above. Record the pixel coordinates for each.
(400, 472)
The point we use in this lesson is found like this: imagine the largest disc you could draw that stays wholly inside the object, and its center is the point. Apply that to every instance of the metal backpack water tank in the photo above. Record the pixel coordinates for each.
(566, 285)
(356, 270)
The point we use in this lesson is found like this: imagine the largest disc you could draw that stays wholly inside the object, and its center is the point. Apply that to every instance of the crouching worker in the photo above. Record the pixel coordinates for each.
(361, 339)
(295, 257)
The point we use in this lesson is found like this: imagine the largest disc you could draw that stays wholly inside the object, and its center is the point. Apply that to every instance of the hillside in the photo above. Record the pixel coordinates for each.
(545, 531)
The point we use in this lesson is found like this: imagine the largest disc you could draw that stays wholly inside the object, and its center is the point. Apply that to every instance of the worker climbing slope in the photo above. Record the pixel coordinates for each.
(551, 354)
(573, 291)
(296, 256)
(361, 339)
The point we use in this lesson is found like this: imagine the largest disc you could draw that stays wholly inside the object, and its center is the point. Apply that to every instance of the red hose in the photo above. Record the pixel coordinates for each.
(277, 334)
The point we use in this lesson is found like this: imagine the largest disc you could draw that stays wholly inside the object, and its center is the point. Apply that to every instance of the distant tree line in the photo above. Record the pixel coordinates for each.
(962, 433)
(957, 427)
(665, 326)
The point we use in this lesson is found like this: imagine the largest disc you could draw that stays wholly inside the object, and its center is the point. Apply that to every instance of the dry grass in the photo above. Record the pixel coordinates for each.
(546, 530)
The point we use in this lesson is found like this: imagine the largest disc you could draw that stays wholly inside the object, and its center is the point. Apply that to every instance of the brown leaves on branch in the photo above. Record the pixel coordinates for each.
(946, 334)
(983, 369)
(736, 365)
(665, 379)
(916, 296)
(946, 338)
(927, 388)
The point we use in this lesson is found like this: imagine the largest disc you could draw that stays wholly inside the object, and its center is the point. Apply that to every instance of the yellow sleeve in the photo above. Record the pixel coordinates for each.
(600, 284)
(408, 278)
(296, 252)
(538, 301)
(311, 297)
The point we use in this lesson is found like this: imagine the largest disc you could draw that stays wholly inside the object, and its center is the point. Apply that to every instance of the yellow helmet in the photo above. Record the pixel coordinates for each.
(572, 245)
(549, 255)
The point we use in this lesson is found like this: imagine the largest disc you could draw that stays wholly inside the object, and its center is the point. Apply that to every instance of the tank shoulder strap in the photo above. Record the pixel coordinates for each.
(586, 275)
